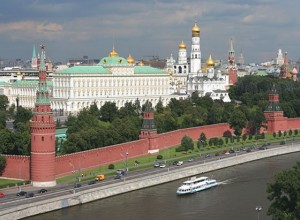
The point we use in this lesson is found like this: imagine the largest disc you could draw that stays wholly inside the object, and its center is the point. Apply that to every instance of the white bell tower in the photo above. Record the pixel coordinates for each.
(195, 50)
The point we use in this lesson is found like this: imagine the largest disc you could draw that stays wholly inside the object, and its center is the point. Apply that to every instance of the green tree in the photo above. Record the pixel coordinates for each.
(202, 140)
(23, 115)
(94, 110)
(274, 134)
(3, 102)
(284, 195)
(237, 121)
(256, 120)
(7, 141)
(109, 111)
(2, 119)
(244, 137)
(215, 115)
(127, 110)
(159, 106)
(290, 132)
(2, 164)
(187, 143)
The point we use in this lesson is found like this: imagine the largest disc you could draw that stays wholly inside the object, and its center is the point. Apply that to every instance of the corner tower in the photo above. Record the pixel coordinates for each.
(42, 128)
(195, 50)
(232, 69)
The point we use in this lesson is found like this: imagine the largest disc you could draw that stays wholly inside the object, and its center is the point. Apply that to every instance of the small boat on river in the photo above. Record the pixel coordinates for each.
(195, 184)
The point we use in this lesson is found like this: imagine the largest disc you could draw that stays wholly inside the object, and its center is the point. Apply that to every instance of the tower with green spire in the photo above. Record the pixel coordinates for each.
(232, 69)
(42, 128)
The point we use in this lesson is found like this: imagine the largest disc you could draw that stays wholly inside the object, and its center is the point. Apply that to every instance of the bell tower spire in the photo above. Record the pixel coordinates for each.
(195, 50)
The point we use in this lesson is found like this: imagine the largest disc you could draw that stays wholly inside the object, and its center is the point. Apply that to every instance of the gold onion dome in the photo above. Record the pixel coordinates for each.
(141, 63)
(130, 59)
(113, 53)
(182, 45)
(210, 62)
(195, 31)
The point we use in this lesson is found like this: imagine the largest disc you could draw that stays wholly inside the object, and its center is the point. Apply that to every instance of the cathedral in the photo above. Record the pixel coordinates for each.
(188, 75)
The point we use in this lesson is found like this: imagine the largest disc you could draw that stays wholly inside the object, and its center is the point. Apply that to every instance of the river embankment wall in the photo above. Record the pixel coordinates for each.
(124, 186)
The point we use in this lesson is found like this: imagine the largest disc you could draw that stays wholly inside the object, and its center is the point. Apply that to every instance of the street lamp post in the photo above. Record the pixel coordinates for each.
(258, 209)
(126, 162)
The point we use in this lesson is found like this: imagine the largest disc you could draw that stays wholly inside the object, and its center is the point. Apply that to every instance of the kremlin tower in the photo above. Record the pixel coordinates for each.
(232, 69)
(42, 127)
(149, 130)
(195, 50)
(274, 114)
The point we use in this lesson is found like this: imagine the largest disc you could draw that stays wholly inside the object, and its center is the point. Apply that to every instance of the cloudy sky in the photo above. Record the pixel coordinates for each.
(144, 28)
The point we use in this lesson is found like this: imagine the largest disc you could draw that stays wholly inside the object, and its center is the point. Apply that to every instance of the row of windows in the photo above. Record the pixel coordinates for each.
(110, 82)
(145, 91)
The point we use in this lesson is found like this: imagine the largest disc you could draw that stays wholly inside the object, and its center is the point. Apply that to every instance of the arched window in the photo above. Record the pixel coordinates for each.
(42, 138)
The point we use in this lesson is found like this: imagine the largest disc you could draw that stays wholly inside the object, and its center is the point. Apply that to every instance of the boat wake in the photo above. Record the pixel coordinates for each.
(229, 181)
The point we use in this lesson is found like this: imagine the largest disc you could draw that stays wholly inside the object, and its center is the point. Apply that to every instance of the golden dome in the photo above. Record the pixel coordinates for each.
(182, 45)
(195, 31)
(113, 53)
(130, 59)
(210, 62)
(141, 63)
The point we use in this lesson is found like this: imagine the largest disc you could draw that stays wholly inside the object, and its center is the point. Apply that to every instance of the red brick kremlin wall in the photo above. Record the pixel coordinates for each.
(18, 166)
(92, 158)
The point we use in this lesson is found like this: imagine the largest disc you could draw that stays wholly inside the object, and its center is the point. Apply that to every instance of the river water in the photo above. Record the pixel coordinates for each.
(243, 189)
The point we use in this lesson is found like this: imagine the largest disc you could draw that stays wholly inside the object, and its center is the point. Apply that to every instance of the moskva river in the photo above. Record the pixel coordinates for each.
(243, 188)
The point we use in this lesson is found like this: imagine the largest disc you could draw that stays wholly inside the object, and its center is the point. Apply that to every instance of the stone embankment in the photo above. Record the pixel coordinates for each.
(102, 192)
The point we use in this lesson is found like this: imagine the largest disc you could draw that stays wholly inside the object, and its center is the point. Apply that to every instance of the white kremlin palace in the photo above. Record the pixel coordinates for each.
(119, 80)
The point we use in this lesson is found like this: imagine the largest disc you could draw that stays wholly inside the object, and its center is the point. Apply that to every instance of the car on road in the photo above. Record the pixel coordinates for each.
(179, 163)
(77, 185)
(2, 194)
(191, 159)
(121, 172)
(91, 182)
(29, 194)
(207, 156)
(157, 164)
(21, 193)
(42, 191)
(118, 176)
(162, 165)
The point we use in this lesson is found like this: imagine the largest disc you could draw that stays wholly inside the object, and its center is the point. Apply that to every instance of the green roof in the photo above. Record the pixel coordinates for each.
(2, 83)
(261, 73)
(113, 61)
(148, 70)
(29, 83)
(61, 131)
(84, 70)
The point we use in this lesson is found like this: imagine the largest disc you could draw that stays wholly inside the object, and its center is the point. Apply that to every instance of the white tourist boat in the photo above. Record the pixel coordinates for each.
(195, 184)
